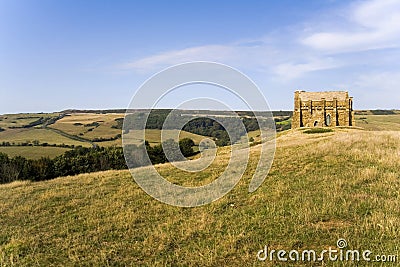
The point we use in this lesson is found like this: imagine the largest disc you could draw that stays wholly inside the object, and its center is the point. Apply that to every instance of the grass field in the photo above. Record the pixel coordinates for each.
(75, 124)
(29, 135)
(79, 124)
(154, 136)
(32, 152)
(285, 122)
(255, 134)
(19, 120)
(41, 135)
(378, 122)
(322, 187)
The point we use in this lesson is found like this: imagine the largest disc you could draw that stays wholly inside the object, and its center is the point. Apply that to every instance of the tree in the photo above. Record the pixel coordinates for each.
(4, 161)
(186, 146)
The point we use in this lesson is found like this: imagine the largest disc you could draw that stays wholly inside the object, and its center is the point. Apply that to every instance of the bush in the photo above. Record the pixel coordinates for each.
(318, 130)
(120, 123)
(382, 112)
(78, 160)
(186, 145)
(93, 124)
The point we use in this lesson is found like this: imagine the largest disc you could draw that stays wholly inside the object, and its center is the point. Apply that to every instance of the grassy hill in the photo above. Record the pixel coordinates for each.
(77, 128)
(322, 187)
(103, 128)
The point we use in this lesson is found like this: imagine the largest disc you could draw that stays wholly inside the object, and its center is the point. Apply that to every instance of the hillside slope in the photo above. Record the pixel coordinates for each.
(321, 187)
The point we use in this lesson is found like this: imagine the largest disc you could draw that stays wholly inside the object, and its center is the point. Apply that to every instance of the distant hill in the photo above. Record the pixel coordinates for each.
(27, 134)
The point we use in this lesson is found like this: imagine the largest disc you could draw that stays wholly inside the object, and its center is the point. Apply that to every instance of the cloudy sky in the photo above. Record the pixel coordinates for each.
(57, 55)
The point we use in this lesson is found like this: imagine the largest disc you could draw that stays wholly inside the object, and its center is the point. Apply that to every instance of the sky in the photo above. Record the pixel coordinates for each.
(57, 55)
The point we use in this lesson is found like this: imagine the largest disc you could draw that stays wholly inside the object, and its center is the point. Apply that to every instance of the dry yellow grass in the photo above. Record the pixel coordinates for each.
(104, 129)
(19, 120)
(320, 188)
(379, 122)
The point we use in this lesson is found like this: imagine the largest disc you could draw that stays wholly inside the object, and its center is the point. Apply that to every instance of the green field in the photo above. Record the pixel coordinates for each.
(285, 122)
(154, 136)
(322, 187)
(42, 135)
(33, 152)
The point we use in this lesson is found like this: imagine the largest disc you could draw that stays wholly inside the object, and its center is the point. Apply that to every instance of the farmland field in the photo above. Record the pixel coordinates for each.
(89, 125)
(33, 152)
(378, 122)
(154, 136)
(41, 135)
(20, 120)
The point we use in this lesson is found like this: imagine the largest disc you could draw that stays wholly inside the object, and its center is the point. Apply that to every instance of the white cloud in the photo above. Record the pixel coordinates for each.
(293, 70)
(199, 53)
(371, 25)
(256, 55)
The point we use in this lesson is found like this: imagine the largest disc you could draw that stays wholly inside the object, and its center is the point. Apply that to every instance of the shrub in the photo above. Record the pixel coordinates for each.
(318, 130)
(186, 145)
(120, 123)
(382, 112)
(93, 124)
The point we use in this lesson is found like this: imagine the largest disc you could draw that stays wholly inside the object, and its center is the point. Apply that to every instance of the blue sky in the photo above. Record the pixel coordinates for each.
(57, 55)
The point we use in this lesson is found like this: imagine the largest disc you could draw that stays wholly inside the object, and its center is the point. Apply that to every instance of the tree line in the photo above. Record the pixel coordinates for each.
(34, 143)
(85, 160)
